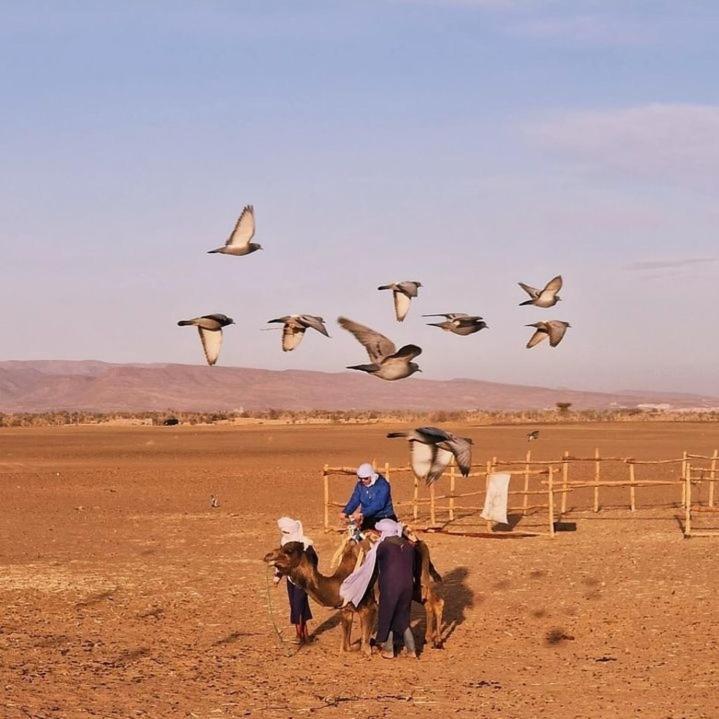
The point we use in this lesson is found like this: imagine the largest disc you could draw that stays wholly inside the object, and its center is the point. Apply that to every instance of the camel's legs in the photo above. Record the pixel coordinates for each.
(346, 623)
(367, 619)
(429, 621)
(438, 612)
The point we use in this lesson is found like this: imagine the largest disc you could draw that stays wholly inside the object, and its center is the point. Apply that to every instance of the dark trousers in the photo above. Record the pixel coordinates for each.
(299, 604)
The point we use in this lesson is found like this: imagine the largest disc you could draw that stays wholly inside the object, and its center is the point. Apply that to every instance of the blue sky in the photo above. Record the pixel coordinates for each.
(468, 144)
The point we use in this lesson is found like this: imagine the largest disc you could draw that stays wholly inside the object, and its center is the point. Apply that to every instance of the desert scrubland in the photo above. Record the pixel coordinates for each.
(125, 594)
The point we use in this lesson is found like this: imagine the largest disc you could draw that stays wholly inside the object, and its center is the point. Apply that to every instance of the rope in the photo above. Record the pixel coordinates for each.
(281, 641)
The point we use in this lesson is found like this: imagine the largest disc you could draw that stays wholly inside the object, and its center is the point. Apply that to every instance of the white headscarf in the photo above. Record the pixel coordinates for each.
(292, 532)
(355, 585)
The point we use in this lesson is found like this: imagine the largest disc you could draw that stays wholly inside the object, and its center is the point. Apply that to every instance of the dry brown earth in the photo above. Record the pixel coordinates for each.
(125, 595)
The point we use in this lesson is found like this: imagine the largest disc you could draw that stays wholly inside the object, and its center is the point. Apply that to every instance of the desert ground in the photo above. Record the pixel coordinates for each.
(125, 594)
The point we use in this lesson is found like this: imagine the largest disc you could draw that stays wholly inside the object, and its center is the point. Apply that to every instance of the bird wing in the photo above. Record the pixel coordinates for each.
(216, 317)
(554, 285)
(401, 305)
(448, 315)
(378, 346)
(466, 321)
(316, 323)
(432, 434)
(533, 292)
(556, 332)
(442, 458)
(421, 458)
(211, 343)
(408, 352)
(536, 338)
(461, 448)
(408, 288)
(244, 229)
(291, 336)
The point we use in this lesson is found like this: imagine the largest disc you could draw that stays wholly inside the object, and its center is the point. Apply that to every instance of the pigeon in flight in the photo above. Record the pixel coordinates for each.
(431, 450)
(387, 361)
(554, 329)
(546, 297)
(239, 242)
(459, 323)
(210, 329)
(531, 436)
(295, 326)
(403, 292)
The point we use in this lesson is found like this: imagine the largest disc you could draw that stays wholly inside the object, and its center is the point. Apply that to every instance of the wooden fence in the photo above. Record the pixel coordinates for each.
(545, 486)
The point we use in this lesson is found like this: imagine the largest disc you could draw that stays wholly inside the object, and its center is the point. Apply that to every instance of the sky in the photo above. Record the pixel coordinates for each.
(467, 144)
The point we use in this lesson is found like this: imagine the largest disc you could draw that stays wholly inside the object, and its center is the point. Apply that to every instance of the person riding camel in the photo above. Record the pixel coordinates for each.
(371, 499)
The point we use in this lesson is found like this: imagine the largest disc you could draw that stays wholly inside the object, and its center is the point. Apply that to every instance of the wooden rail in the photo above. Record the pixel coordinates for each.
(551, 483)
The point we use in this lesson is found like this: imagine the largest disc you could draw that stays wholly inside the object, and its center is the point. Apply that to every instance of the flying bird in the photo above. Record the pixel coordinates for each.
(531, 436)
(546, 297)
(431, 450)
(459, 323)
(387, 361)
(403, 292)
(554, 329)
(210, 329)
(239, 242)
(295, 326)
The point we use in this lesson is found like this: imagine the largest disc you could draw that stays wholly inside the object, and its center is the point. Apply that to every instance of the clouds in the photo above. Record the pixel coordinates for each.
(671, 143)
(670, 264)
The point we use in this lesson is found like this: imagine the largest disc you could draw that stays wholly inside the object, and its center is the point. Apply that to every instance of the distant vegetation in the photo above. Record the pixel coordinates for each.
(562, 413)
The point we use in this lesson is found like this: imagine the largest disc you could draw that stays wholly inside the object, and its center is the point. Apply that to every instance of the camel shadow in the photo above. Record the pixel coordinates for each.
(458, 598)
(329, 623)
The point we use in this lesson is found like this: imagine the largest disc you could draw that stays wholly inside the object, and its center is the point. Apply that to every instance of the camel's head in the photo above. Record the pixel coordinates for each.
(284, 559)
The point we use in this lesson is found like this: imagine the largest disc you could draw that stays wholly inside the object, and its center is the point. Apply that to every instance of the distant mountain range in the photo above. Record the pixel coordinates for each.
(42, 385)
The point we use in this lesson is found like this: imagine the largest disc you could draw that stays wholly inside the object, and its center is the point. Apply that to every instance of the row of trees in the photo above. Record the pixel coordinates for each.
(561, 413)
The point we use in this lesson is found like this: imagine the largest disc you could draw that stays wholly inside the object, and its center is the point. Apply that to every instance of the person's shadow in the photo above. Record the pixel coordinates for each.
(458, 598)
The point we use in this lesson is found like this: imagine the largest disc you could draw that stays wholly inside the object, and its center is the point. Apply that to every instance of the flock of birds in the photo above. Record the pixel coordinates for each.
(386, 361)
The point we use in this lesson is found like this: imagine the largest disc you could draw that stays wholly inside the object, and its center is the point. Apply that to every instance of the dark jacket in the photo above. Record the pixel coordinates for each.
(374, 501)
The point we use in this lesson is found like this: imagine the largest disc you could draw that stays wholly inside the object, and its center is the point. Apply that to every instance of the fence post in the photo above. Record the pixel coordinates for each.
(688, 500)
(597, 472)
(525, 501)
(451, 490)
(432, 515)
(550, 485)
(415, 498)
(712, 477)
(326, 480)
(490, 462)
(632, 497)
(565, 482)
(684, 475)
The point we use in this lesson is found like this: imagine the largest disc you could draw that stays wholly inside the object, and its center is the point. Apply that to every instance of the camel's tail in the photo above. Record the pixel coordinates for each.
(434, 573)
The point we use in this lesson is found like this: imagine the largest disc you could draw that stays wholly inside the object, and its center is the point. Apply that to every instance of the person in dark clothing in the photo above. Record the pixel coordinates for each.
(300, 612)
(371, 499)
(395, 564)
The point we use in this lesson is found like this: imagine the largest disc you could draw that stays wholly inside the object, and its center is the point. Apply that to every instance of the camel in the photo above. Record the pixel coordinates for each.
(292, 561)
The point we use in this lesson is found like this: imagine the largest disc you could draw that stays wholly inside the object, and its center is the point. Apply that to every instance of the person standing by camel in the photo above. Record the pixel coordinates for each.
(393, 556)
(395, 564)
(371, 499)
(300, 613)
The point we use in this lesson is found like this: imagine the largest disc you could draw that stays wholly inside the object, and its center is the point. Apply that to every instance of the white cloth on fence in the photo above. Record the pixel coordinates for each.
(292, 531)
(495, 501)
(355, 585)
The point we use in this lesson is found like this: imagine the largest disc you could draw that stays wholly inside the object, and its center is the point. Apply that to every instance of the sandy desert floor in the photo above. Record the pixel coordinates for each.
(125, 595)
